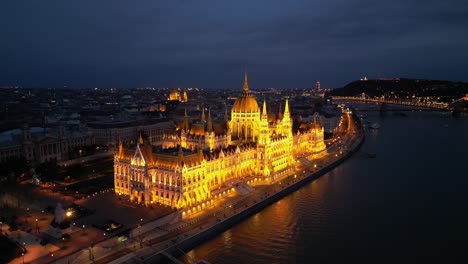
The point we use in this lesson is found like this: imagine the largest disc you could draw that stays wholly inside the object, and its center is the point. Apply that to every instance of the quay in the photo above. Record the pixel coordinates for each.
(257, 203)
(171, 236)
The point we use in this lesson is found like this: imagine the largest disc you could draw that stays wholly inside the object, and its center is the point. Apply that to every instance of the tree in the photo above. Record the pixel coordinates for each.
(15, 165)
(48, 170)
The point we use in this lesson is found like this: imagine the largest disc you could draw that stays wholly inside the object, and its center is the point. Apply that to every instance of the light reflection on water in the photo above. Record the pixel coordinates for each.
(401, 205)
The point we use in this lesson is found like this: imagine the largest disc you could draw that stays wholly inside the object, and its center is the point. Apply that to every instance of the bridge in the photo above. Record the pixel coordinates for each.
(363, 97)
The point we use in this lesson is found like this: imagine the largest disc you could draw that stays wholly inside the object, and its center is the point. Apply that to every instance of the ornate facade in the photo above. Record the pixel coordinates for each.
(175, 95)
(39, 145)
(202, 157)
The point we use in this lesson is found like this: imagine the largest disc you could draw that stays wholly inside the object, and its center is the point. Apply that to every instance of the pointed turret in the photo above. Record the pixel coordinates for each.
(264, 135)
(203, 119)
(286, 108)
(121, 151)
(140, 139)
(264, 110)
(186, 121)
(209, 127)
(180, 156)
(287, 122)
(246, 83)
(280, 112)
(225, 114)
(226, 119)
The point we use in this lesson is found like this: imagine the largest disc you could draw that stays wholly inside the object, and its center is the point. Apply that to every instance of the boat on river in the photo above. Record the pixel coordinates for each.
(374, 125)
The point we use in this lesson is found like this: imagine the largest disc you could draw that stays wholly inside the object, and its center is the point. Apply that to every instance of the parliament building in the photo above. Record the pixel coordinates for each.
(199, 158)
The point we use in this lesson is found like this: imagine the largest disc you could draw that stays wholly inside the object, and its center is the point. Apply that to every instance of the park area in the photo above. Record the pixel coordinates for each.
(85, 179)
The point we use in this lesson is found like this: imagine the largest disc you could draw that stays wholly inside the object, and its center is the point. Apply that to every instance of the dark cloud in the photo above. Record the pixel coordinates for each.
(208, 43)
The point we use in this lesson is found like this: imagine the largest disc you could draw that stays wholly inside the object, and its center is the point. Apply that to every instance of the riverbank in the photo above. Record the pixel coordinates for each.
(182, 233)
(254, 203)
(288, 188)
(365, 206)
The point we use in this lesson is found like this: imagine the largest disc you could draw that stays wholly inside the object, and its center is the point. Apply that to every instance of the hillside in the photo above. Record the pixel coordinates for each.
(404, 88)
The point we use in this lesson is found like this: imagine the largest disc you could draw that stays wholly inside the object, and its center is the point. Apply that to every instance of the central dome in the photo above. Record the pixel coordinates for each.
(246, 103)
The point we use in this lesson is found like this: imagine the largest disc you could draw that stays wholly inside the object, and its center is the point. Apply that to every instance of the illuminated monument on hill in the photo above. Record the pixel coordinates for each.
(202, 156)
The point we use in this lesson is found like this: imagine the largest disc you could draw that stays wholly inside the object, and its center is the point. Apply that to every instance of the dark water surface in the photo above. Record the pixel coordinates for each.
(408, 204)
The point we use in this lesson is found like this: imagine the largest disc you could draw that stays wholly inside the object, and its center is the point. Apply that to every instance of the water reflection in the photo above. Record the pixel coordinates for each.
(396, 204)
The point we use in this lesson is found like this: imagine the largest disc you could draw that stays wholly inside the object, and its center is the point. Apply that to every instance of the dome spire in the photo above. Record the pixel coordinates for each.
(246, 83)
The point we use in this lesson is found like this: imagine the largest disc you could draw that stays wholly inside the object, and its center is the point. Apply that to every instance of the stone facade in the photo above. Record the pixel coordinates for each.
(201, 157)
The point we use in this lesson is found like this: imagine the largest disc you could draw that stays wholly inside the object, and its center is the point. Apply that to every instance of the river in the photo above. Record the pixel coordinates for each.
(407, 204)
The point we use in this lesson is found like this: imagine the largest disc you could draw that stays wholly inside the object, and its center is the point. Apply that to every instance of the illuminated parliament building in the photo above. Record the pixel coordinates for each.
(199, 158)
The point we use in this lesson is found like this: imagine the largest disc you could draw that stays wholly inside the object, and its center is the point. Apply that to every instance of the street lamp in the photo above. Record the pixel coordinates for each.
(37, 227)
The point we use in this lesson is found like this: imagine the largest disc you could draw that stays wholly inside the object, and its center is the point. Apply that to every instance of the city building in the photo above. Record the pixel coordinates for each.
(175, 95)
(127, 131)
(200, 157)
(39, 144)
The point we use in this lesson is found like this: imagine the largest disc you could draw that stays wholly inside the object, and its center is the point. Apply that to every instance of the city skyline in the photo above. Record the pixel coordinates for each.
(209, 44)
(265, 131)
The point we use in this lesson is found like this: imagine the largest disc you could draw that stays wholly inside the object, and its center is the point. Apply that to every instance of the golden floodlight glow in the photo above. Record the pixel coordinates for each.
(200, 157)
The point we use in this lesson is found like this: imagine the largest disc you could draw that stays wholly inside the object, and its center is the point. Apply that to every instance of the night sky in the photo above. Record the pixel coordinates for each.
(201, 43)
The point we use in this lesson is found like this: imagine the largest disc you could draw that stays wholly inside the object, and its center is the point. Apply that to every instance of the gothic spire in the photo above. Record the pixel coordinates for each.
(180, 155)
(264, 111)
(225, 113)
(140, 139)
(246, 83)
(210, 123)
(203, 119)
(186, 125)
(121, 151)
(280, 112)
